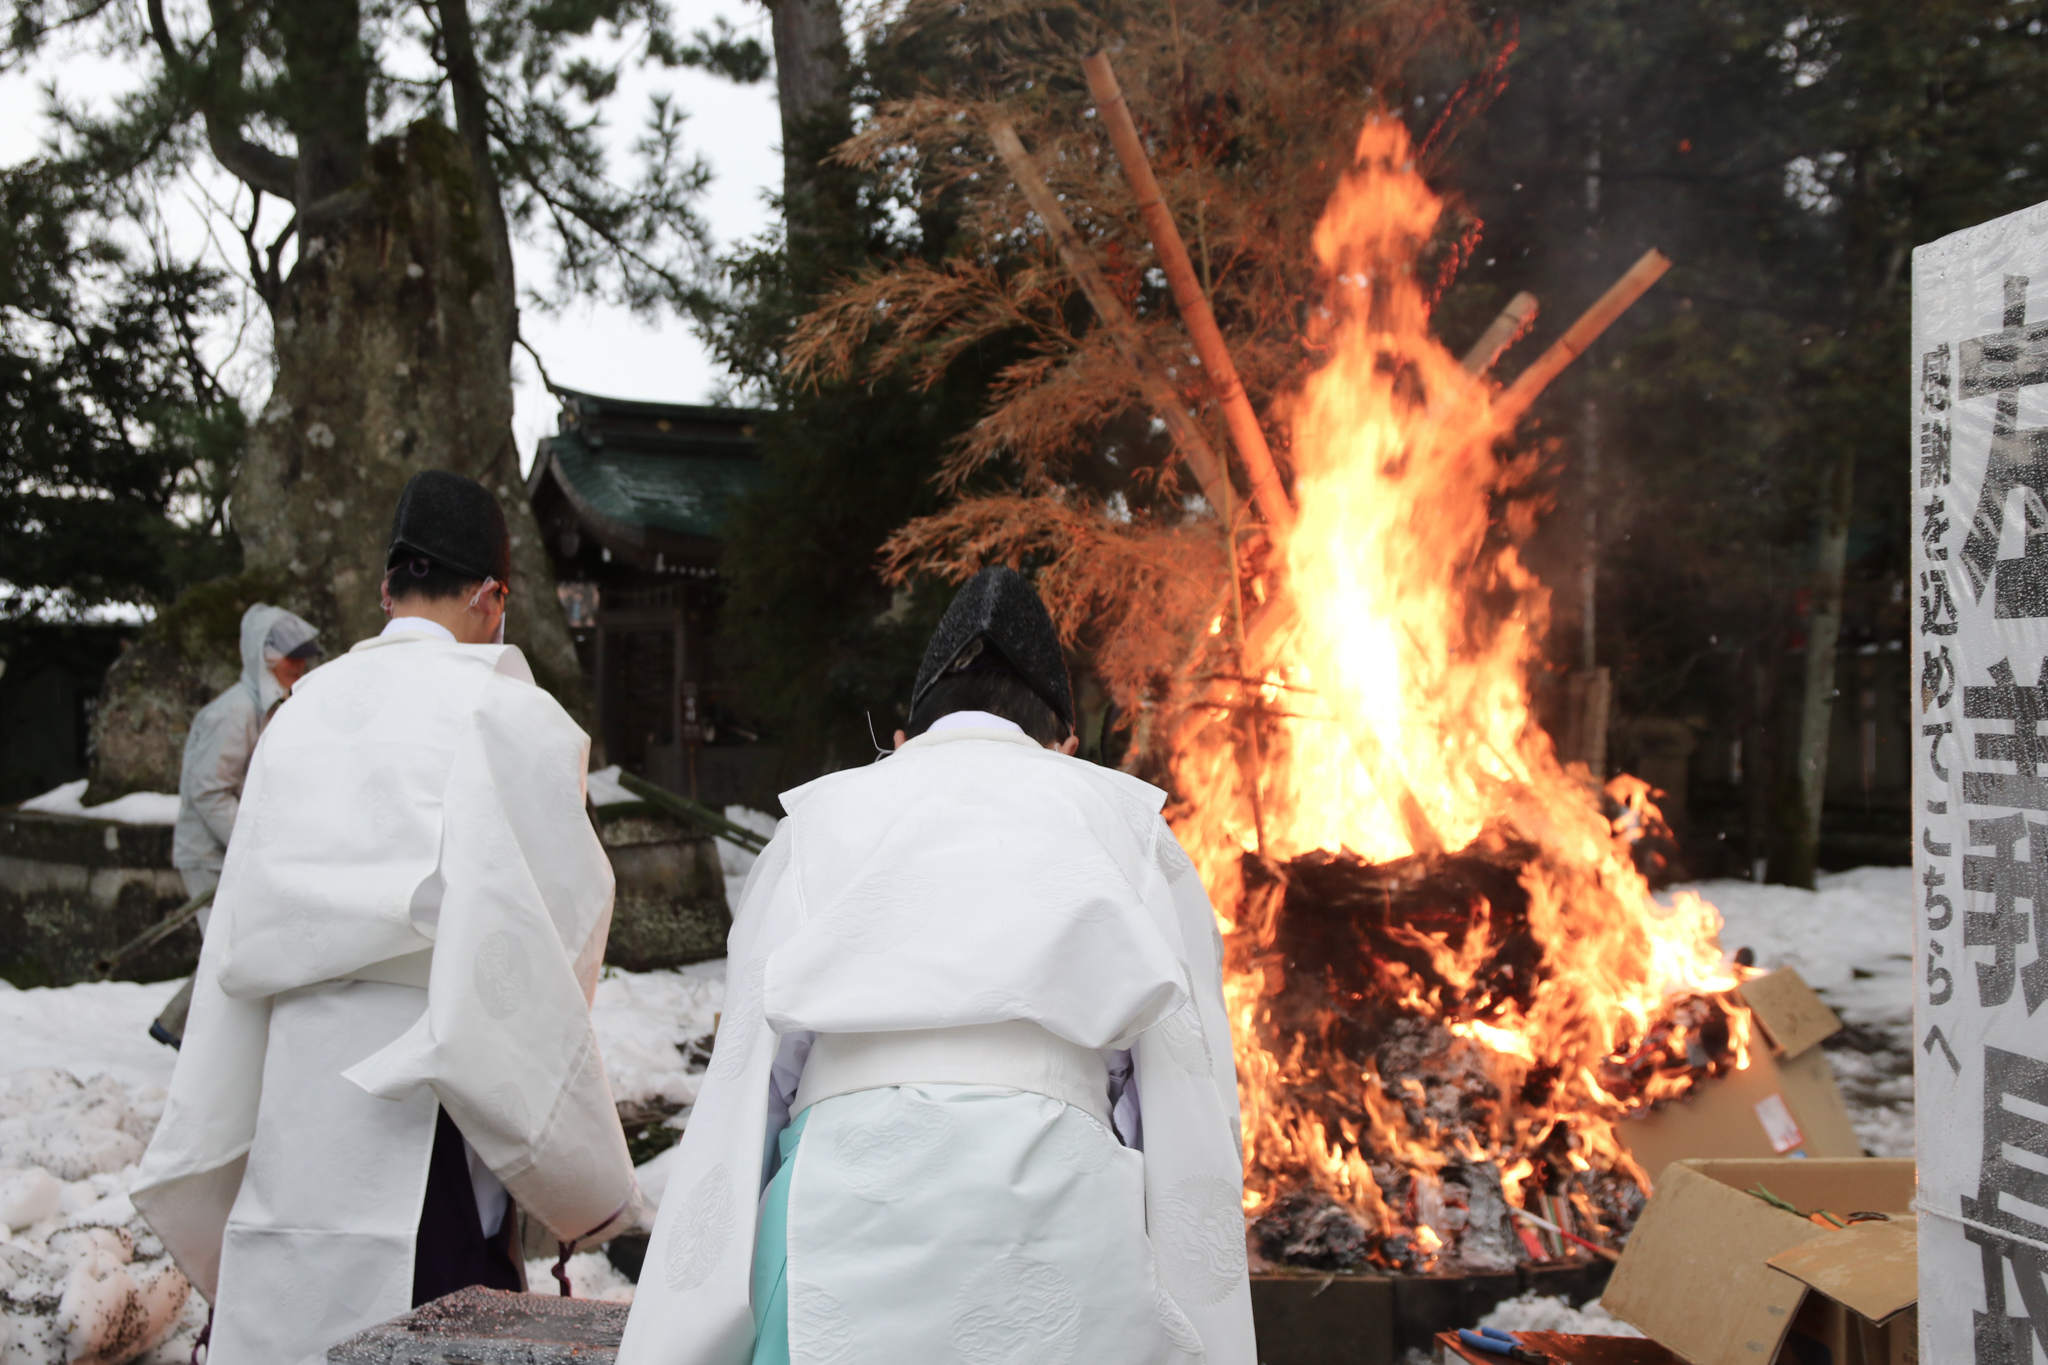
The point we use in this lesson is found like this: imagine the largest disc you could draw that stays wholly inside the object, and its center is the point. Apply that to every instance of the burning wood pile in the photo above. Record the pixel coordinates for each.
(1449, 982)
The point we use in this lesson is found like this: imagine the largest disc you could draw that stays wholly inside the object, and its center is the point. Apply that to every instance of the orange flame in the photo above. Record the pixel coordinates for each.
(1386, 669)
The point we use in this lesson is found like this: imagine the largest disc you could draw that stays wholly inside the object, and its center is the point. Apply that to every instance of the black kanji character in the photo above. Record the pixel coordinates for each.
(1937, 679)
(2008, 880)
(2002, 363)
(2026, 748)
(1936, 466)
(1934, 379)
(1937, 606)
(1990, 1219)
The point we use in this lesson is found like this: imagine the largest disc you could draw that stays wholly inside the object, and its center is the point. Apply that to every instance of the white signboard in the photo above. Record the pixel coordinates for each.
(1980, 788)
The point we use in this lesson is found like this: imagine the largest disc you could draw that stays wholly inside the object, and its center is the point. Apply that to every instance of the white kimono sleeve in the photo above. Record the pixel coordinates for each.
(507, 1043)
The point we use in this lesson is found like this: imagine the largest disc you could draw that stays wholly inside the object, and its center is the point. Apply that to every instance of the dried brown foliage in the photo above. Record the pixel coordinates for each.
(1249, 111)
(1108, 584)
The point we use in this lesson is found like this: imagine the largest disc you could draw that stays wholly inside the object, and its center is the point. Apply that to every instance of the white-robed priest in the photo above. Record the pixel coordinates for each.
(972, 1098)
(390, 1038)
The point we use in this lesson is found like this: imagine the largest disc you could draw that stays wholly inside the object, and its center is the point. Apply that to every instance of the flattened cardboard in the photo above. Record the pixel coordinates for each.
(1873, 1268)
(1719, 1120)
(1697, 1274)
(1793, 1017)
(1816, 1101)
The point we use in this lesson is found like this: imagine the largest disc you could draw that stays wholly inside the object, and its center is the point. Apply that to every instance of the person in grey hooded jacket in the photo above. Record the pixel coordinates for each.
(277, 649)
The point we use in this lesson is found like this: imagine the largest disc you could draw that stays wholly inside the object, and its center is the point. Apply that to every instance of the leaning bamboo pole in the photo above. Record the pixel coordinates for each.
(1516, 398)
(1245, 433)
(1160, 393)
(1500, 334)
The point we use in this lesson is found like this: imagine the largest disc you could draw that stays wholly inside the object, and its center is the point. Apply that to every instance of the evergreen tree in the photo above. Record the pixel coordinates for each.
(1787, 156)
(407, 142)
(822, 645)
(116, 441)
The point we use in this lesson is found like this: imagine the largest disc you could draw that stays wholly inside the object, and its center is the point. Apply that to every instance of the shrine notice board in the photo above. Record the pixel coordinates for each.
(1979, 486)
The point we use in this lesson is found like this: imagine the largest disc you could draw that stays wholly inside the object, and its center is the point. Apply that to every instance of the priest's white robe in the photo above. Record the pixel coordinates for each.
(972, 878)
(413, 912)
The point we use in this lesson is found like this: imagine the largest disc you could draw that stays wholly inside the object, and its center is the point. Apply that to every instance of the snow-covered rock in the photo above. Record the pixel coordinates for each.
(136, 808)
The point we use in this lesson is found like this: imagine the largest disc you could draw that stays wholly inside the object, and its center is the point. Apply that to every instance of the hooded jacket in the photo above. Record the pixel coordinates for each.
(218, 746)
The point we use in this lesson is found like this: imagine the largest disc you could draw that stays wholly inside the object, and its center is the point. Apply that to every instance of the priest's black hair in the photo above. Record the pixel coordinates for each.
(430, 582)
(996, 690)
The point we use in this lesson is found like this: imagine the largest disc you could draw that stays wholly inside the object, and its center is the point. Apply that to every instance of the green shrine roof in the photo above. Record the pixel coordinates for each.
(633, 468)
(686, 494)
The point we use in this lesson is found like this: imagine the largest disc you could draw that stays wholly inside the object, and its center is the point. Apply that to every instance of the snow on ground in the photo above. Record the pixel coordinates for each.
(92, 1028)
(81, 1277)
(644, 1023)
(591, 1276)
(136, 808)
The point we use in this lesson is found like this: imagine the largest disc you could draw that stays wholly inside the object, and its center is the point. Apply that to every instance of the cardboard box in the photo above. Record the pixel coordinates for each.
(1723, 1278)
(1785, 1104)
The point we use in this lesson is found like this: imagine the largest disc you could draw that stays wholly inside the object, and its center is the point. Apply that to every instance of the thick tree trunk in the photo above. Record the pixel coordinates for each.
(1823, 631)
(394, 342)
(810, 89)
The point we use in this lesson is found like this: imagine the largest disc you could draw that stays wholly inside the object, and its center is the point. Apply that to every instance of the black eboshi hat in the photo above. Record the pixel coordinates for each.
(453, 522)
(999, 611)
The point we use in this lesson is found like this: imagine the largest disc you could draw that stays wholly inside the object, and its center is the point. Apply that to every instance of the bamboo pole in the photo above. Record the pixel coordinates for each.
(1245, 433)
(155, 934)
(1516, 398)
(1123, 328)
(1500, 334)
(693, 813)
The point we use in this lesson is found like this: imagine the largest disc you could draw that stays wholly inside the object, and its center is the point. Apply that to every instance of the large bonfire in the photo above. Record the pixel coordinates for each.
(1448, 980)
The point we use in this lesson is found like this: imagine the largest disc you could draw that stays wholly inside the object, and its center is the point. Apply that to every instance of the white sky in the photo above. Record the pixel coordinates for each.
(592, 347)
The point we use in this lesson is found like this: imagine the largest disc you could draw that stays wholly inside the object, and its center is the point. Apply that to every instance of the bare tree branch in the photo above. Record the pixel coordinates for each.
(257, 167)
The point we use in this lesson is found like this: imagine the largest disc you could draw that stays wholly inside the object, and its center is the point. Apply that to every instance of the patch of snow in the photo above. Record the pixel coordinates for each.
(136, 808)
(82, 1279)
(1532, 1312)
(605, 789)
(89, 1028)
(645, 1021)
(1852, 939)
(591, 1276)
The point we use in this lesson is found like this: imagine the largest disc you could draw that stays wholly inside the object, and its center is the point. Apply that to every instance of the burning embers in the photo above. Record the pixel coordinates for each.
(1408, 1098)
(1448, 981)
